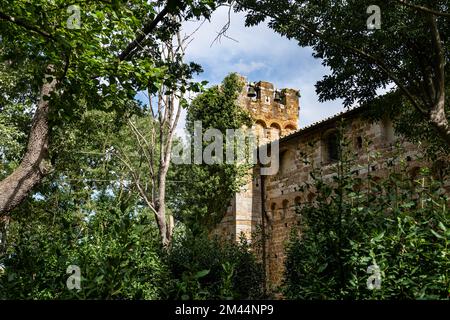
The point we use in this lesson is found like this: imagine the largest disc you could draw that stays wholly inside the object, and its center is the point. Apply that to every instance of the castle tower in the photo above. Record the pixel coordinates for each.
(275, 114)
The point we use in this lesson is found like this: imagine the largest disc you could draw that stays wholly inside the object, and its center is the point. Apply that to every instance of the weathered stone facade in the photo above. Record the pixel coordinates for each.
(273, 119)
(277, 200)
(308, 149)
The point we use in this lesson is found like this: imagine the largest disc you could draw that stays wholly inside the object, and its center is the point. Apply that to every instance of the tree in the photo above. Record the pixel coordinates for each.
(100, 63)
(88, 213)
(155, 139)
(84, 213)
(204, 190)
(410, 51)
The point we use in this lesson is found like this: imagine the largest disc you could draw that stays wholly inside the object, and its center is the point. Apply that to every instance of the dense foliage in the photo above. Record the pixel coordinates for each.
(88, 213)
(84, 215)
(83, 208)
(117, 252)
(58, 60)
(206, 189)
(204, 268)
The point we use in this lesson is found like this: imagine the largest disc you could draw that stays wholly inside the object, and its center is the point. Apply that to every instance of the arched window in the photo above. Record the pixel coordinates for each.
(289, 129)
(330, 147)
(271, 213)
(359, 143)
(285, 208)
(260, 127)
(297, 202)
(287, 163)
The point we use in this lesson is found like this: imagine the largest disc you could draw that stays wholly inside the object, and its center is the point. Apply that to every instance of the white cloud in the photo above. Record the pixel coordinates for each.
(259, 54)
(247, 67)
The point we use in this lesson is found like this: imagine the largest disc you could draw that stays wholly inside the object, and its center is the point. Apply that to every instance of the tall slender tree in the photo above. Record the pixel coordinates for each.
(155, 140)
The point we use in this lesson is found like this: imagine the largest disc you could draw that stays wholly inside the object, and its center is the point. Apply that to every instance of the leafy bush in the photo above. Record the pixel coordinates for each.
(204, 268)
(117, 251)
(201, 201)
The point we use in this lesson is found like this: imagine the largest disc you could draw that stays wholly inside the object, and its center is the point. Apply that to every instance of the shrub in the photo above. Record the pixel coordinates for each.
(396, 223)
(117, 251)
(204, 268)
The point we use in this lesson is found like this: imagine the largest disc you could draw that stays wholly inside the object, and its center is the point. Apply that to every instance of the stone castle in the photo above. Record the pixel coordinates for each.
(269, 202)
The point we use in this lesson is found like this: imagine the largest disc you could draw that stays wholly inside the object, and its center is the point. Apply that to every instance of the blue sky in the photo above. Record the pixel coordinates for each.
(258, 54)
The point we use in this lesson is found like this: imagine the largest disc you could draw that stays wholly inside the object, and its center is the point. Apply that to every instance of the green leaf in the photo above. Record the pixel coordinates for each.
(378, 237)
(437, 234)
(201, 274)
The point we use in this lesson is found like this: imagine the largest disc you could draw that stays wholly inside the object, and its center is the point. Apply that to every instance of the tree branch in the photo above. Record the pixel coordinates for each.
(438, 116)
(357, 51)
(375, 60)
(33, 166)
(145, 148)
(126, 54)
(424, 9)
(137, 183)
(440, 61)
(224, 30)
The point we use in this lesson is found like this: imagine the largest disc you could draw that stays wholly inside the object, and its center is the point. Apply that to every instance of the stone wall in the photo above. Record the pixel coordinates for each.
(307, 150)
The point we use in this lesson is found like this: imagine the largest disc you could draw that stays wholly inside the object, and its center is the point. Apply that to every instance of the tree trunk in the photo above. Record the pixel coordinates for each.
(15, 188)
(4, 223)
(438, 116)
(162, 225)
(439, 120)
(165, 223)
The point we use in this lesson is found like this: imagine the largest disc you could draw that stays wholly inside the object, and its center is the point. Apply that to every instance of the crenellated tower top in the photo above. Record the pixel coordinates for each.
(275, 110)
